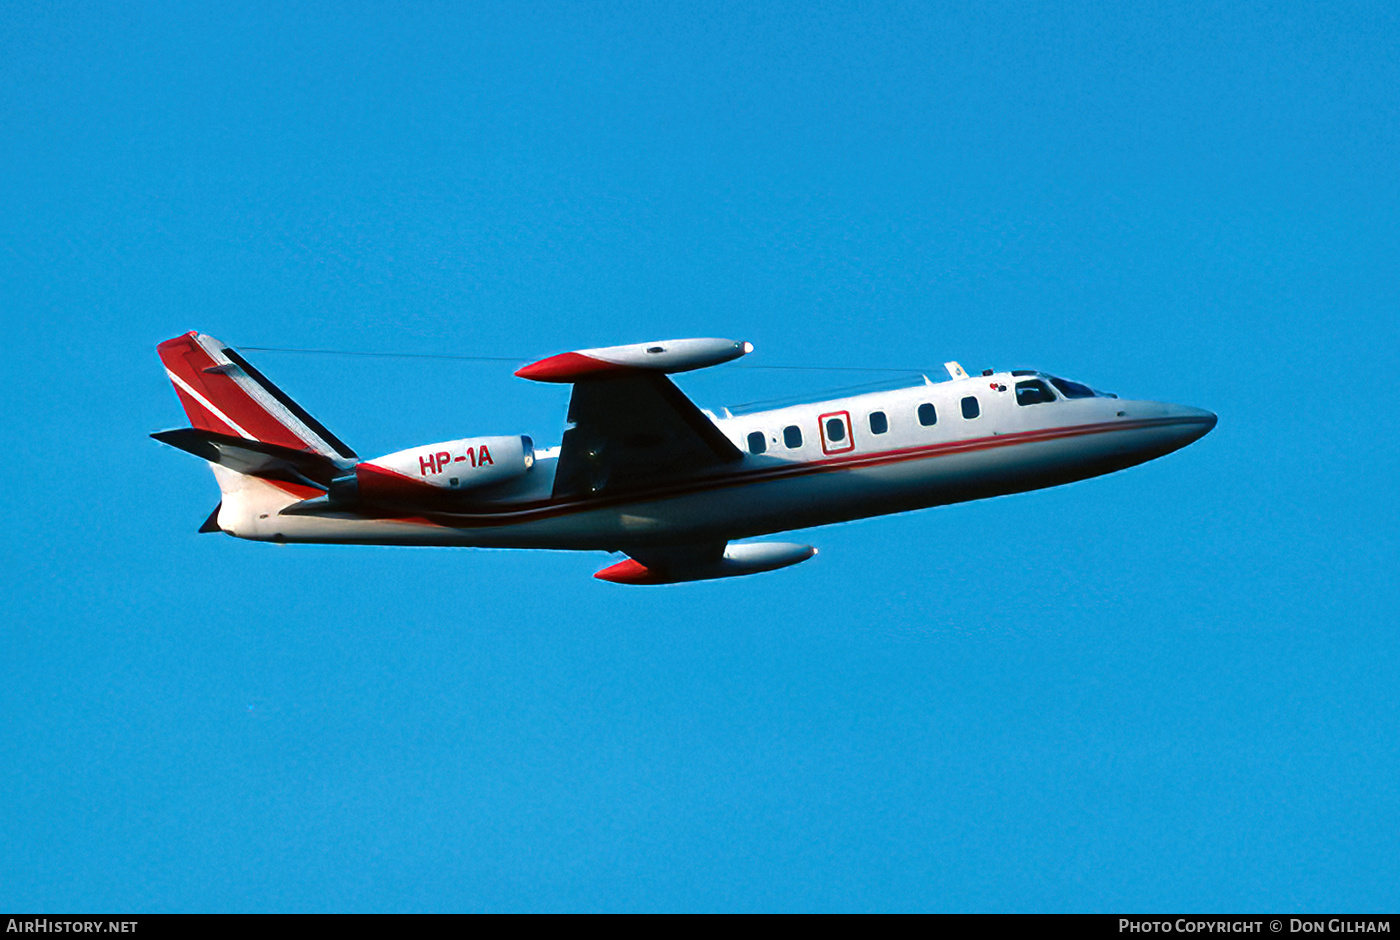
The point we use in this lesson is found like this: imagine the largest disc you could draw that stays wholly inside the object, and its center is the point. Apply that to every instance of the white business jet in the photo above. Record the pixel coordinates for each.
(643, 471)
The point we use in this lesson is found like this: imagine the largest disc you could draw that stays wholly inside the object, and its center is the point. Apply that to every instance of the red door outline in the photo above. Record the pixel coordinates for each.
(840, 447)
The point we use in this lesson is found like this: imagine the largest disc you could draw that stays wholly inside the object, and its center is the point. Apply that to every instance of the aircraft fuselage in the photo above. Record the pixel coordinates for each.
(803, 465)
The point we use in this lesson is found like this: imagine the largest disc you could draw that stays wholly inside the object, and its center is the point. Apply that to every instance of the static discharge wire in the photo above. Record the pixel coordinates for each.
(404, 355)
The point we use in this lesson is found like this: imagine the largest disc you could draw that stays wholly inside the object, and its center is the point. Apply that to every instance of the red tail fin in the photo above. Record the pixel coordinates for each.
(221, 392)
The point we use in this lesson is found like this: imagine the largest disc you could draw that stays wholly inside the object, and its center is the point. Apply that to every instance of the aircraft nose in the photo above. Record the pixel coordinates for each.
(1183, 425)
(1201, 421)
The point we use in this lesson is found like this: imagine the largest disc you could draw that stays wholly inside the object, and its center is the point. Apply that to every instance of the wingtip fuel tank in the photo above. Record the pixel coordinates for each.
(740, 559)
(666, 357)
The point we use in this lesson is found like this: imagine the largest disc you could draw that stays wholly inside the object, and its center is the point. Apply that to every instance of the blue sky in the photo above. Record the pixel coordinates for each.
(1169, 689)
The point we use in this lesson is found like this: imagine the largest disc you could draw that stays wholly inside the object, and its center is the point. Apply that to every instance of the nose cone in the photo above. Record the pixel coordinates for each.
(1152, 429)
(1175, 426)
(1196, 423)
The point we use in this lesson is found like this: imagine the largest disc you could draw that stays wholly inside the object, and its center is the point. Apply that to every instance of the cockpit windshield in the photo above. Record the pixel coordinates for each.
(1076, 390)
(1067, 388)
(1073, 389)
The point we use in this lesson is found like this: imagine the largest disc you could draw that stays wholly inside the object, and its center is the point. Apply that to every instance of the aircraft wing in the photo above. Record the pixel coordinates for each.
(632, 427)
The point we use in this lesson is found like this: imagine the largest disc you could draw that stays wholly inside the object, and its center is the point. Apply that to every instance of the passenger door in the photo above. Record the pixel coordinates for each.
(835, 428)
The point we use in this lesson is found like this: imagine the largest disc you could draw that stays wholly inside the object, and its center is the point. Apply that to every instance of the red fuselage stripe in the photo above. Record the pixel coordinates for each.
(545, 509)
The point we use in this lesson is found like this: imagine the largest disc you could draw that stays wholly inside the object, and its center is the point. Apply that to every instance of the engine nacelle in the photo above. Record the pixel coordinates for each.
(428, 473)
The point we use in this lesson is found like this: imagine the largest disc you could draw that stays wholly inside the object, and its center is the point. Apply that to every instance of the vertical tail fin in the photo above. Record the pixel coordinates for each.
(221, 392)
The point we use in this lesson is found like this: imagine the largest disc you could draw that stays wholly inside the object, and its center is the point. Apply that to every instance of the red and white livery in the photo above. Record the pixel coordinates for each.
(641, 470)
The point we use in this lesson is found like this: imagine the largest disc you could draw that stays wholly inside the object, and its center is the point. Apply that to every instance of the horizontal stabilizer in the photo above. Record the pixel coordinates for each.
(666, 356)
(212, 523)
(256, 458)
(311, 507)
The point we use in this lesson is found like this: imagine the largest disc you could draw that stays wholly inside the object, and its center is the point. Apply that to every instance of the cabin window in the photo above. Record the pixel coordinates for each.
(758, 442)
(792, 436)
(970, 407)
(879, 424)
(1034, 392)
(835, 430)
(928, 416)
